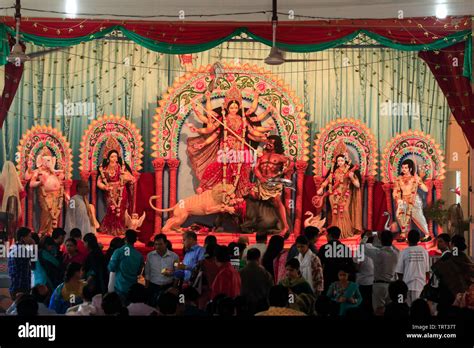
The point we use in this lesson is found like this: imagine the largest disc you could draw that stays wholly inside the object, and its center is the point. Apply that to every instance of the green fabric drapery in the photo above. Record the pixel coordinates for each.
(467, 67)
(333, 90)
(164, 47)
(4, 46)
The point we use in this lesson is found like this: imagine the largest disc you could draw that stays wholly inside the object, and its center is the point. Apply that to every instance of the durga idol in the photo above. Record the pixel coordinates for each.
(229, 128)
(115, 178)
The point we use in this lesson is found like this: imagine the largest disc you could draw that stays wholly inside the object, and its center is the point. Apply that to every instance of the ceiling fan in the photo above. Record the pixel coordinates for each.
(276, 56)
(17, 55)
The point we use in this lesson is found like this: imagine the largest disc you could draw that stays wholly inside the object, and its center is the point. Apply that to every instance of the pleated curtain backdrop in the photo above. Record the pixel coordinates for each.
(123, 78)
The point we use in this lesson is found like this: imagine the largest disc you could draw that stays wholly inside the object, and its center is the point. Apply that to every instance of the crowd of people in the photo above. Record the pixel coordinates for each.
(75, 276)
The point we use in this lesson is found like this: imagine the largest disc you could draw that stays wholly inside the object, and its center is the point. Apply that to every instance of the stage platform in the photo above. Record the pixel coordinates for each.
(224, 238)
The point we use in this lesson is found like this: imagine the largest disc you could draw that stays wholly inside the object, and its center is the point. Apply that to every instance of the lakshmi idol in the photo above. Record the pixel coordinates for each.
(408, 201)
(229, 128)
(115, 177)
(344, 183)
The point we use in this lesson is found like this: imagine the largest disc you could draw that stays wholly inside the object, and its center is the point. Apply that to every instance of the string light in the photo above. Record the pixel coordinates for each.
(327, 19)
(83, 100)
(113, 85)
(76, 73)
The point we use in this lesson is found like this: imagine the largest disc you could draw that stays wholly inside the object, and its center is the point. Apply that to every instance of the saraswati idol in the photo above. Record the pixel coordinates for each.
(115, 178)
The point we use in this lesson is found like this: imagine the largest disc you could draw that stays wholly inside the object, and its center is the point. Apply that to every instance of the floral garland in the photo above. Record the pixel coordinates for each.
(339, 197)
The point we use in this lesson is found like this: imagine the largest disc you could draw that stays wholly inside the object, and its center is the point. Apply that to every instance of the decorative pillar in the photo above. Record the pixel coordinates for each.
(173, 164)
(291, 170)
(136, 175)
(429, 202)
(300, 170)
(22, 219)
(362, 186)
(387, 188)
(158, 165)
(438, 184)
(370, 200)
(67, 193)
(94, 188)
(31, 192)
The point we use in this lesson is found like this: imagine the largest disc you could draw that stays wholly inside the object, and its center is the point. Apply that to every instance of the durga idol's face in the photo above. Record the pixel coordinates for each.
(341, 161)
(233, 108)
(113, 158)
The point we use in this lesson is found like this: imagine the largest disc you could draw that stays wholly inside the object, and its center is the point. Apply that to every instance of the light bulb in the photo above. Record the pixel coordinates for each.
(441, 11)
(71, 8)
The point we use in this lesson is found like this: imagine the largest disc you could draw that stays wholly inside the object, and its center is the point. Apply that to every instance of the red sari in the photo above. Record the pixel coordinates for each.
(116, 201)
(209, 167)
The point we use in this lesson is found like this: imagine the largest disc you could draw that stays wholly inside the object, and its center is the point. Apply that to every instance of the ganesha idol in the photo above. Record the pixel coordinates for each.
(49, 183)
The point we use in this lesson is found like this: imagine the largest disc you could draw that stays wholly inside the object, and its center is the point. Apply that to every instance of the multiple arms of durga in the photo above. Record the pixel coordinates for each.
(211, 119)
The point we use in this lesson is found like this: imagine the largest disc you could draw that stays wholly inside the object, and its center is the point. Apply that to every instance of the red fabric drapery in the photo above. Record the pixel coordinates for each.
(405, 31)
(447, 68)
(13, 76)
(408, 31)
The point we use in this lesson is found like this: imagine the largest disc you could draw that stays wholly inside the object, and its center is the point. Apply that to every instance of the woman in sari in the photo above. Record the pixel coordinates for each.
(69, 293)
(274, 258)
(216, 144)
(299, 287)
(114, 178)
(48, 269)
(344, 294)
(95, 265)
(344, 190)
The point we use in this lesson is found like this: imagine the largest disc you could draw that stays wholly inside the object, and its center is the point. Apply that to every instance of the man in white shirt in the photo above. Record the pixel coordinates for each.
(159, 268)
(413, 266)
(365, 270)
(385, 261)
(80, 213)
(261, 239)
